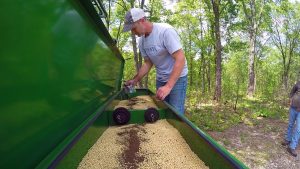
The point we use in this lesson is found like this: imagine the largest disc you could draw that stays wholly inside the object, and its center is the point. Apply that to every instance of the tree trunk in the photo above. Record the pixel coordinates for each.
(191, 61)
(202, 63)
(285, 79)
(208, 75)
(202, 73)
(146, 78)
(209, 53)
(140, 62)
(253, 16)
(208, 69)
(286, 70)
(218, 51)
(136, 57)
(251, 82)
(142, 4)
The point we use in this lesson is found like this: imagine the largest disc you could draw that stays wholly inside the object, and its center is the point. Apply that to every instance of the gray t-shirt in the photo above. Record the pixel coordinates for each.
(159, 46)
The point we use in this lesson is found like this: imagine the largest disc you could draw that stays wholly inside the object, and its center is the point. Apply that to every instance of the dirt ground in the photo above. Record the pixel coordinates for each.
(258, 145)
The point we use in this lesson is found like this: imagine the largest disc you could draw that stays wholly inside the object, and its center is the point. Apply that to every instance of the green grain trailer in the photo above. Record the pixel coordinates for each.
(60, 69)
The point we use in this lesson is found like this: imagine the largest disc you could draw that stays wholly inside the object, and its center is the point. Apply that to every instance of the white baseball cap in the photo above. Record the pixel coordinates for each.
(133, 15)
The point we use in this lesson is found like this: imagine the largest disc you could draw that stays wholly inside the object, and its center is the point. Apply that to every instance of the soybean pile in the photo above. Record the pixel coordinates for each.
(137, 103)
(133, 146)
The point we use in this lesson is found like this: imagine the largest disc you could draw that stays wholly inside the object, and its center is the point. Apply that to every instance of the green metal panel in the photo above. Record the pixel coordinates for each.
(75, 155)
(55, 73)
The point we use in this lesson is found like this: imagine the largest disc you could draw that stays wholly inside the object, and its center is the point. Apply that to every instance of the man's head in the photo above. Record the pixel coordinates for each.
(134, 19)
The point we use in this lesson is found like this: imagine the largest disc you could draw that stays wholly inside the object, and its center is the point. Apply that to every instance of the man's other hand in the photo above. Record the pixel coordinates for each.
(163, 92)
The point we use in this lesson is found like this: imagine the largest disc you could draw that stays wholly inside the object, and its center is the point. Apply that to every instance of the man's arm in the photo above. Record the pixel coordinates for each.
(179, 57)
(142, 72)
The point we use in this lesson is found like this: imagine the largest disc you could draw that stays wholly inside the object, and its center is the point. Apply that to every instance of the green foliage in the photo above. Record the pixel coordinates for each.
(267, 74)
(156, 11)
(265, 108)
(208, 117)
(218, 117)
(235, 75)
(194, 22)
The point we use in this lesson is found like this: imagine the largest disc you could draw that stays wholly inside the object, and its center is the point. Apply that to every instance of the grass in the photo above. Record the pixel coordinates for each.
(226, 142)
(274, 129)
(212, 116)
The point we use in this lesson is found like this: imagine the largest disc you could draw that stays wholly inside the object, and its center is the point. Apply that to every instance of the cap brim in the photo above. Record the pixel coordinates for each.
(127, 27)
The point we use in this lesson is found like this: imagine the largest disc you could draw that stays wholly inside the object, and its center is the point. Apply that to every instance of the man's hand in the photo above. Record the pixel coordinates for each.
(163, 92)
(142, 72)
(131, 82)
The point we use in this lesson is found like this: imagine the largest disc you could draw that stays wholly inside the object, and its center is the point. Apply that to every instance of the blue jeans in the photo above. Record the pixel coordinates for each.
(293, 133)
(176, 98)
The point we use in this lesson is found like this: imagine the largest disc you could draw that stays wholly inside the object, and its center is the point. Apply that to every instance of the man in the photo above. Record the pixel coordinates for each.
(160, 45)
(293, 130)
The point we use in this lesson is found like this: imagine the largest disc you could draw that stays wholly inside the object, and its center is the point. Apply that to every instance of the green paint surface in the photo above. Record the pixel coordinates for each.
(56, 72)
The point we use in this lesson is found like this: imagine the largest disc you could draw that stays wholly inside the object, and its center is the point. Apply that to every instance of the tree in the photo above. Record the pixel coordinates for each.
(218, 51)
(285, 35)
(253, 11)
(221, 9)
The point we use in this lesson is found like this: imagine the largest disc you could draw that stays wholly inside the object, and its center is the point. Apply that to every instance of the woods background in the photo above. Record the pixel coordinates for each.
(243, 55)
